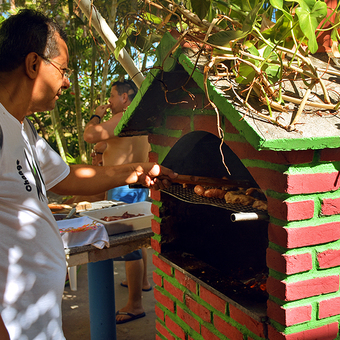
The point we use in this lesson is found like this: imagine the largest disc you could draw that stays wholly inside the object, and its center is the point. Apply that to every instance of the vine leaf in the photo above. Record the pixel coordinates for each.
(310, 15)
(278, 4)
(201, 7)
(223, 38)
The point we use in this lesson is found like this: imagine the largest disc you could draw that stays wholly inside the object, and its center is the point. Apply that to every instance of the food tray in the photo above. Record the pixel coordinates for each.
(125, 225)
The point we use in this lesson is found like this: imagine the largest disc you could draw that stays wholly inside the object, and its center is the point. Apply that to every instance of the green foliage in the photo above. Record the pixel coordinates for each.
(82, 38)
(310, 15)
(201, 7)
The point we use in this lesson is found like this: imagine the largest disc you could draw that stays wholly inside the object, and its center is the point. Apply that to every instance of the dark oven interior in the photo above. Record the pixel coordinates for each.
(200, 238)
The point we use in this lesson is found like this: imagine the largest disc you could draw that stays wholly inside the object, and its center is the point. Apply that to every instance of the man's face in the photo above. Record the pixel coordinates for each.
(50, 80)
(117, 101)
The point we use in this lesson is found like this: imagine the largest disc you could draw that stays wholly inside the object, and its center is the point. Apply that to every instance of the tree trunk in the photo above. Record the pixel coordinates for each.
(74, 63)
(111, 23)
(79, 117)
(59, 135)
(93, 70)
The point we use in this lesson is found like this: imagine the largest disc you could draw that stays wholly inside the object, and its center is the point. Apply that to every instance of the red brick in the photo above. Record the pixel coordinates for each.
(156, 227)
(330, 155)
(330, 206)
(155, 245)
(289, 316)
(206, 334)
(164, 267)
(327, 332)
(290, 211)
(312, 183)
(155, 210)
(303, 236)
(229, 129)
(164, 300)
(159, 313)
(153, 157)
(157, 279)
(329, 258)
(174, 327)
(188, 319)
(174, 291)
(213, 300)
(226, 329)
(198, 309)
(206, 123)
(178, 123)
(185, 281)
(329, 307)
(302, 210)
(302, 289)
(289, 264)
(254, 326)
(269, 179)
(246, 151)
(164, 331)
(162, 140)
(295, 184)
(155, 195)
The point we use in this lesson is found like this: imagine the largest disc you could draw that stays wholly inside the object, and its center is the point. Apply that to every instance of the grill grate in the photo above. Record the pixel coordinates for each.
(188, 195)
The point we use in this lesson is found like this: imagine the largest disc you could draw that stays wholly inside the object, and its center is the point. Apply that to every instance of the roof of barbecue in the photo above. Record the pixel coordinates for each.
(162, 87)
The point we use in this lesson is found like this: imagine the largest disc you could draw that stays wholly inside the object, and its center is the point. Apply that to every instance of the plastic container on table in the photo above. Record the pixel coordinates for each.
(123, 225)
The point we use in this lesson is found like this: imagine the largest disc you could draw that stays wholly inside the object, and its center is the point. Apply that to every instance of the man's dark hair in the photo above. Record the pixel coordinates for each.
(26, 32)
(126, 86)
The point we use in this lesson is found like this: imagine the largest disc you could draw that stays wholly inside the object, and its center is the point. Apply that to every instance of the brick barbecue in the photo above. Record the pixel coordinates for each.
(299, 173)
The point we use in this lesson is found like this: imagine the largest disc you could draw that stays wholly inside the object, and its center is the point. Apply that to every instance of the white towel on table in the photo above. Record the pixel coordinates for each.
(82, 231)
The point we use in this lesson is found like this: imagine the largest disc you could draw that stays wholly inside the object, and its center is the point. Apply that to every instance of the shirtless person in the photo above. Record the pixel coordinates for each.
(123, 150)
(97, 159)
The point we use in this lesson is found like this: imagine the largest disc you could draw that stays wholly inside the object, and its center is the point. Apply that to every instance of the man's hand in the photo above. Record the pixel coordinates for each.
(101, 110)
(154, 176)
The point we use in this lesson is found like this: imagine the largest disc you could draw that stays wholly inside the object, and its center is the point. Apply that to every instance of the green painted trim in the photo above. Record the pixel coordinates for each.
(162, 151)
(167, 132)
(157, 237)
(234, 138)
(306, 325)
(255, 163)
(157, 219)
(314, 143)
(157, 203)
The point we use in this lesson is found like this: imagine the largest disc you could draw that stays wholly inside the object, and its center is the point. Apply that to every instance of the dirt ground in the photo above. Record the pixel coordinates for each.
(75, 307)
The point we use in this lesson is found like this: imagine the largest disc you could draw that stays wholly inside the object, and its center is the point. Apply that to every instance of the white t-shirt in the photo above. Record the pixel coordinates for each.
(32, 258)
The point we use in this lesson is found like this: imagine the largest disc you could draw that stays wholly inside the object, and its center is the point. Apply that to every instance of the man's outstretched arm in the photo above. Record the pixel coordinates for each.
(91, 180)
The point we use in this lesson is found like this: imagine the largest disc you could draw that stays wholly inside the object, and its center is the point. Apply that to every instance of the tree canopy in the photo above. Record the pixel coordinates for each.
(253, 35)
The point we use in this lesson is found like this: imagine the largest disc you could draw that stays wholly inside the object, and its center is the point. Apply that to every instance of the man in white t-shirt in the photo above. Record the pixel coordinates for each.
(33, 73)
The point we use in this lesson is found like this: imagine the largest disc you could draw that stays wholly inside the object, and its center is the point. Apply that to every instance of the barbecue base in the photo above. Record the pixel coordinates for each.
(242, 289)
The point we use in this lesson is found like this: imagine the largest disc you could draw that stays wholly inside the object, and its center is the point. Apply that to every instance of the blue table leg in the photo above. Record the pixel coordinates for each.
(102, 300)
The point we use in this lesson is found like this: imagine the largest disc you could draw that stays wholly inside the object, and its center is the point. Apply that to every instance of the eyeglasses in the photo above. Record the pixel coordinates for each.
(65, 72)
(95, 153)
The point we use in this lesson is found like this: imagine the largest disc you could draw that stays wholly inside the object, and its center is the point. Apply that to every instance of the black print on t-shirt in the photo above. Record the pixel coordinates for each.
(26, 182)
(37, 177)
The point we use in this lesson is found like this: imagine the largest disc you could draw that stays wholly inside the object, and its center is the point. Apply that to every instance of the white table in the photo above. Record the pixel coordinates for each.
(101, 278)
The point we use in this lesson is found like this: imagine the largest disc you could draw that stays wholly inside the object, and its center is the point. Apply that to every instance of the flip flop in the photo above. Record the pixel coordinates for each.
(132, 317)
(144, 290)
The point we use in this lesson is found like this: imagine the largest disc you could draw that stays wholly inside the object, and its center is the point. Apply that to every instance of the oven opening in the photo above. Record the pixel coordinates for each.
(201, 239)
